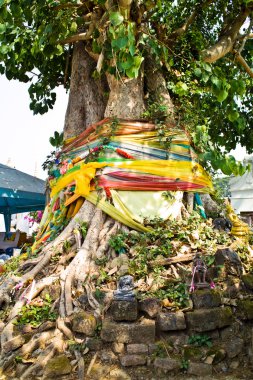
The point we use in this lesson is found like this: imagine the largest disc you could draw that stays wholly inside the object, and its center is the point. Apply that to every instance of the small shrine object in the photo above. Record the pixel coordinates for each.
(125, 288)
(200, 276)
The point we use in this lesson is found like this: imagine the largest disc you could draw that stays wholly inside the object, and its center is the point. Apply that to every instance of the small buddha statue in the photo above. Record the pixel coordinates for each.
(239, 229)
(125, 289)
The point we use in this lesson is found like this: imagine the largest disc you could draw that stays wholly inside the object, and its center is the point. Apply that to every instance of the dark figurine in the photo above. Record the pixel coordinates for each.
(125, 289)
(222, 224)
(200, 277)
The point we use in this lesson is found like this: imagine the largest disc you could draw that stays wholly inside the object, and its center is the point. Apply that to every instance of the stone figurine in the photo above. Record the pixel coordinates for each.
(125, 288)
(200, 276)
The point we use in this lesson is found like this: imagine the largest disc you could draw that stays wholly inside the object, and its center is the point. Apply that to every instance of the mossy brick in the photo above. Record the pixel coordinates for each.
(247, 279)
(193, 353)
(85, 323)
(128, 332)
(206, 298)
(199, 369)
(233, 346)
(167, 364)
(209, 319)
(57, 366)
(218, 353)
(129, 360)
(171, 321)
(245, 309)
(124, 310)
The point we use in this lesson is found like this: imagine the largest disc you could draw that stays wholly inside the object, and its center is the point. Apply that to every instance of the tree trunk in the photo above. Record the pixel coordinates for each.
(87, 98)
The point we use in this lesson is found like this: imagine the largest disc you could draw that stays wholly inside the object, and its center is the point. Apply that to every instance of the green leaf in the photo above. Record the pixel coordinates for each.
(73, 26)
(120, 43)
(233, 115)
(116, 18)
(132, 49)
(222, 95)
(2, 28)
(216, 81)
(197, 72)
(128, 63)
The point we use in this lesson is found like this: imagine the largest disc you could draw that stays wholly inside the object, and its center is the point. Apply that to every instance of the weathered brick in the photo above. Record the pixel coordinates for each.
(199, 369)
(124, 310)
(167, 364)
(123, 332)
(171, 321)
(209, 319)
(132, 360)
(137, 348)
(206, 298)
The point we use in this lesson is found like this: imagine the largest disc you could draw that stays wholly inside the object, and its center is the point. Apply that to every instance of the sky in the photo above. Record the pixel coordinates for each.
(24, 137)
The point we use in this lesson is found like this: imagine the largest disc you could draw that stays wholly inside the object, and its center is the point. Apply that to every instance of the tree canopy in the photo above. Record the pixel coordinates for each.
(204, 49)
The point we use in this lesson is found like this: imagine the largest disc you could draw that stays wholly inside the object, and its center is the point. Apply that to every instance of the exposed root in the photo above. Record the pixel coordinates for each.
(6, 334)
(57, 345)
(85, 213)
(64, 329)
(37, 341)
(80, 363)
(92, 362)
(104, 242)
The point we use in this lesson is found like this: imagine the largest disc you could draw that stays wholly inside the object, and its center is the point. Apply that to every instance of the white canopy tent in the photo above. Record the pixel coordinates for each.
(241, 189)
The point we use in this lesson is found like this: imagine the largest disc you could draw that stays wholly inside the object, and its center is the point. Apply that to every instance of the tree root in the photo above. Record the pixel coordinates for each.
(80, 363)
(36, 342)
(85, 213)
(57, 345)
(105, 237)
(64, 329)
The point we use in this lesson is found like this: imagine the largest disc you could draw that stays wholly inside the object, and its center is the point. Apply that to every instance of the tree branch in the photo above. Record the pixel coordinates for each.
(125, 7)
(78, 37)
(247, 36)
(242, 62)
(189, 21)
(226, 42)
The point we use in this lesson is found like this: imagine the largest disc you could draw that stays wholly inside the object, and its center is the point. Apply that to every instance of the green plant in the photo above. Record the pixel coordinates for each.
(84, 229)
(57, 140)
(117, 242)
(74, 346)
(184, 364)
(18, 359)
(35, 315)
(98, 329)
(162, 349)
(200, 340)
(99, 295)
(103, 277)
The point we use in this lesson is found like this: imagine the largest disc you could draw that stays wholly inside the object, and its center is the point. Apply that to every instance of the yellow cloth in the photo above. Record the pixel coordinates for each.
(115, 214)
(147, 204)
(185, 171)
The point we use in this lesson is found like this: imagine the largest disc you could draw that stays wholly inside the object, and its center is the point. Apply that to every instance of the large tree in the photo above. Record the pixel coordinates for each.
(184, 64)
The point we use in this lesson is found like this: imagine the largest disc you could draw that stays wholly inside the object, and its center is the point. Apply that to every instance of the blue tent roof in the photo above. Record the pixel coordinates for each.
(19, 192)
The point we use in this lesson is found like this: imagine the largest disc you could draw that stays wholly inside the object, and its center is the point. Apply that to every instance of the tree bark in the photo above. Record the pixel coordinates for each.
(126, 98)
(157, 88)
(87, 98)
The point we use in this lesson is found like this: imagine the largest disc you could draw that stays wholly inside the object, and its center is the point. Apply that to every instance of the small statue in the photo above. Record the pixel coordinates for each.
(222, 224)
(125, 289)
(239, 229)
(200, 277)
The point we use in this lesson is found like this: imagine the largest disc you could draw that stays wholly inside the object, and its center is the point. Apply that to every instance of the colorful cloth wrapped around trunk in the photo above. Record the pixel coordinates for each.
(126, 156)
